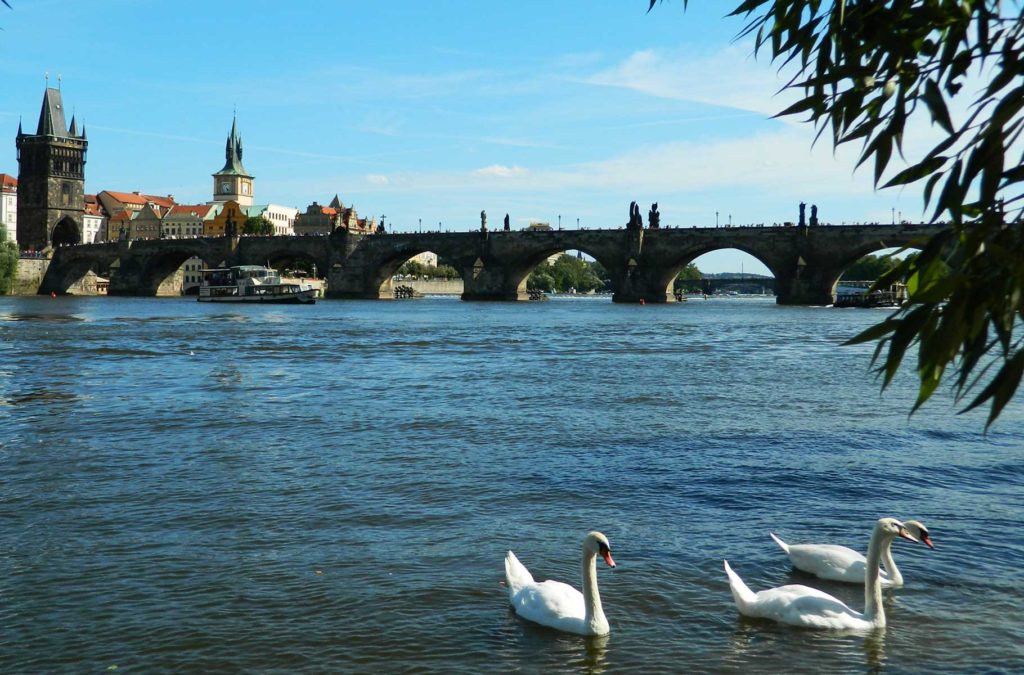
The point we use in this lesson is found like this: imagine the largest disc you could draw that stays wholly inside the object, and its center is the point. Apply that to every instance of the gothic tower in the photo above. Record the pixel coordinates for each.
(233, 183)
(51, 179)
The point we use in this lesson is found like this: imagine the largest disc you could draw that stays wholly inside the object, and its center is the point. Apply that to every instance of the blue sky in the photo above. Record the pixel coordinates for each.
(435, 110)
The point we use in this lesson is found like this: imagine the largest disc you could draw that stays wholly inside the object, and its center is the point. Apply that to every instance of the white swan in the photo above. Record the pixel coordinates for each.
(558, 605)
(797, 605)
(839, 563)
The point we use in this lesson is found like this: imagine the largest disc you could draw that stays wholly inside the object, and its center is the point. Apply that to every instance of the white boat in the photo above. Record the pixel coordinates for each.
(252, 283)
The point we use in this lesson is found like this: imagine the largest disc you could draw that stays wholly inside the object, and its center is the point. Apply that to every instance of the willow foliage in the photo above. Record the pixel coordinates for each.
(863, 68)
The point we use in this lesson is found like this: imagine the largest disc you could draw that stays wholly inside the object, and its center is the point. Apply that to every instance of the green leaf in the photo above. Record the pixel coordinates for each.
(937, 105)
(918, 171)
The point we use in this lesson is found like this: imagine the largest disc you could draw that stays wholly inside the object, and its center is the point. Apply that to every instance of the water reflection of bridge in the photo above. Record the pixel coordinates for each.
(641, 264)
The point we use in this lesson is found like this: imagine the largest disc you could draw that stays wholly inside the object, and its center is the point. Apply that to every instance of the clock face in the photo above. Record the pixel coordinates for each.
(225, 186)
(245, 188)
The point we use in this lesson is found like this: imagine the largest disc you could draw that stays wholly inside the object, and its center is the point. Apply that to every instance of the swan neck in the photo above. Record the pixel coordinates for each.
(594, 616)
(873, 610)
(893, 572)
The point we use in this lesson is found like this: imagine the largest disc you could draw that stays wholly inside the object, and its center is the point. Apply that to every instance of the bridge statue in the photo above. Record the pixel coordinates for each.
(814, 215)
(507, 228)
(636, 222)
(483, 221)
(802, 221)
(653, 217)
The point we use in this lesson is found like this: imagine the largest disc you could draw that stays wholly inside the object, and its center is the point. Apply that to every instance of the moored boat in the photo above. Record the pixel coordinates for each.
(253, 283)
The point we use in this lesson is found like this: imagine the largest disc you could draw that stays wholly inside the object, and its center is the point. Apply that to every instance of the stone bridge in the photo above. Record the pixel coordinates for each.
(642, 264)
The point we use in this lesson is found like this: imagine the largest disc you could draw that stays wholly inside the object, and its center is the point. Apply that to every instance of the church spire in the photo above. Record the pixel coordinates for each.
(233, 152)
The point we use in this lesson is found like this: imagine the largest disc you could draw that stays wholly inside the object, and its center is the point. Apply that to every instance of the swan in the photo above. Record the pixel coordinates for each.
(807, 607)
(558, 605)
(839, 563)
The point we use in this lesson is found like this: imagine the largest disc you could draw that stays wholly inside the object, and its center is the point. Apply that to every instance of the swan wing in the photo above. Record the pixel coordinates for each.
(828, 561)
(798, 605)
(551, 603)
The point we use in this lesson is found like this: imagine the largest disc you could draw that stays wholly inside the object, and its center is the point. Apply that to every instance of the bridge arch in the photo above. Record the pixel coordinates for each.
(66, 232)
(71, 264)
(283, 251)
(159, 277)
(685, 257)
(380, 281)
(873, 249)
(518, 270)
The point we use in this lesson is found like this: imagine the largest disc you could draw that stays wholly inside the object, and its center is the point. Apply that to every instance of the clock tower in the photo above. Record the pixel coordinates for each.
(233, 182)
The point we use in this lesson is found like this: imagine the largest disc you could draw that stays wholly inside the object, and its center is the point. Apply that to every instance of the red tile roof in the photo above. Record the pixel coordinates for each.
(136, 198)
(7, 180)
(201, 210)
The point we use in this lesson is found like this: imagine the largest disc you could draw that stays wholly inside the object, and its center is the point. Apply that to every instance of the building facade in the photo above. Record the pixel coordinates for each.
(228, 222)
(51, 179)
(146, 223)
(281, 217)
(9, 206)
(319, 219)
(94, 221)
(187, 220)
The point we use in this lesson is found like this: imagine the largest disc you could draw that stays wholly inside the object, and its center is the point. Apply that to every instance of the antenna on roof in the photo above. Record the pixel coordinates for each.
(46, 76)
(58, 80)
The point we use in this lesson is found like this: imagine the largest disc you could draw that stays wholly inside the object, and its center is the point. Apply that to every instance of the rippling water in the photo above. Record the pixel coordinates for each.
(333, 488)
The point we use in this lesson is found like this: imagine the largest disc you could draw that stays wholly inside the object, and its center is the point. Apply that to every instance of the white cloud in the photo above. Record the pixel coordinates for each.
(377, 179)
(729, 78)
(502, 171)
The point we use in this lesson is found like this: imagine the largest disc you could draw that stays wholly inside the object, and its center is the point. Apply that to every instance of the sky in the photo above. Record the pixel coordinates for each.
(426, 113)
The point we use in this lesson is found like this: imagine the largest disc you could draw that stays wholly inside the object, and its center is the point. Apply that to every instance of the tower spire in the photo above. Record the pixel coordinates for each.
(51, 117)
(233, 151)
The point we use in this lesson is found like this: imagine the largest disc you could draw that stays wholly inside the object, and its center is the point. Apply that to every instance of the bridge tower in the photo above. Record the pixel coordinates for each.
(51, 179)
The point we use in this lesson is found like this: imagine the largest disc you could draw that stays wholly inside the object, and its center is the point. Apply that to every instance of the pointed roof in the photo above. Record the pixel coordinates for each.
(233, 153)
(74, 127)
(336, 203)
(51, 117)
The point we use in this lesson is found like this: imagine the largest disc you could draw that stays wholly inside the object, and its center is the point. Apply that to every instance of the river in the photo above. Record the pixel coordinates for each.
(195, 487)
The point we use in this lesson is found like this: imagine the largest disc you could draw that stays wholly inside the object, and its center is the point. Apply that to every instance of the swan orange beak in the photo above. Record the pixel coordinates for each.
(927, 540)
(607, 555)
(906, 535)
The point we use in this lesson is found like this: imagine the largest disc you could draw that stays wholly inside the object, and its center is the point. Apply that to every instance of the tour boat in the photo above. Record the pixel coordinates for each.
(252, 283)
